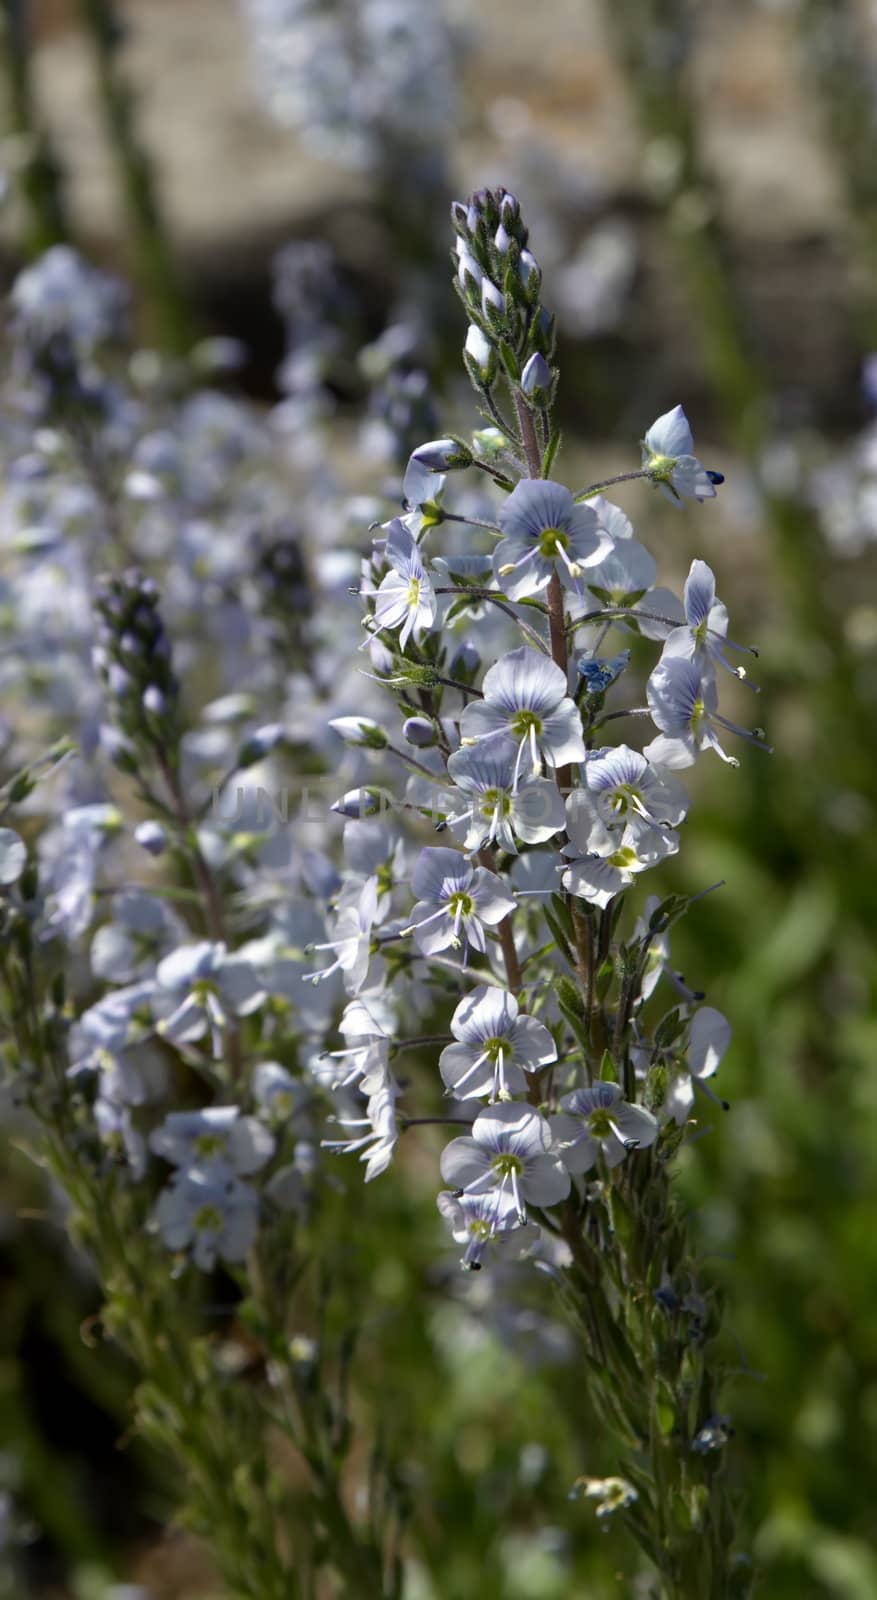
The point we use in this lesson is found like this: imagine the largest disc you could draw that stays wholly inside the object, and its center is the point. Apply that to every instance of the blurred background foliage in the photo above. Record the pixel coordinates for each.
(700, 185)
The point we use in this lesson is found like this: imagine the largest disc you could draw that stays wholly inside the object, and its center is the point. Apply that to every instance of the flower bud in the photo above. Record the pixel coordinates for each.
(154, 701)
(358, 803)
(420, 732)
(441, 455)
(151, 836)
(537, 380)
(458, 216)
(479, 356)
(467, 266)
(530, 274)
(491, 296)
(360, 732)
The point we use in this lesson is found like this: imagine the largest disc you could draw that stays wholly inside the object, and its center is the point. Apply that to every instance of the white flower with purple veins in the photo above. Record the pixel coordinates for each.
(376, 1146)
(455, 902)
(510, 1150)
(482, 1221)
(619, 786)
(525, 697)
(366, 1065)
(709, 1034)
(603, 864)
(670, 462)
(703, 638)
(424, 477)
(218, 1140)
(502, 806)
(209, 988)
(351, 932)
(213, 1215)
(599, 1122)
(405, 598)
(545, 532)
(683, 700)
(495, 1046)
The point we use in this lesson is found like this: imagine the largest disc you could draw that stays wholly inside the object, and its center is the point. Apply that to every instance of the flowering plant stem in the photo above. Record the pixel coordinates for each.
(592, 1163)
(651, 1386)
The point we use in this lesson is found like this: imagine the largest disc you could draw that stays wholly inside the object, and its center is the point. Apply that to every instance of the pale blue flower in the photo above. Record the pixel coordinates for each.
(668, 456)
(683, 701)
(424, 480)
(599, 673)
(599, 1122)
(545, 532)
(142, 929)
(218, 1140)
(118, 1018)
(213, 1215)
(376, 1146)
(525, 696)
(510, 1149)
(351, 931)
(486, 1221)
(618, 784)
(496, 1044)
(695, 1059)
(503, 806)
(703, 638)
(405, 598)
(206, 987)
(623, 575)
(455, 902)
(62, 296)
(120, 1082)
(602, 864)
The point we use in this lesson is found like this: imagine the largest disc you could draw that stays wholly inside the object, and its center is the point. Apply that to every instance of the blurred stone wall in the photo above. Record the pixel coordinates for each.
(543, 107)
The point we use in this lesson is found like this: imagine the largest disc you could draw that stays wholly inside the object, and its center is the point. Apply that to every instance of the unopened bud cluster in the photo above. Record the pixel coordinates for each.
(133, 657)
(499, 282)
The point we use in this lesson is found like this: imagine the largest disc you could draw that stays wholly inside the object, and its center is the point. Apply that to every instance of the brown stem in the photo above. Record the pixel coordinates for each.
(557, 623)
(529, 437)
(504, 931)
(585, 967)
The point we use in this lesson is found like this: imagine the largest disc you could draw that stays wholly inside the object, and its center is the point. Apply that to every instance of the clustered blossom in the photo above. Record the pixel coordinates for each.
(151, 552)
(553, 826)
